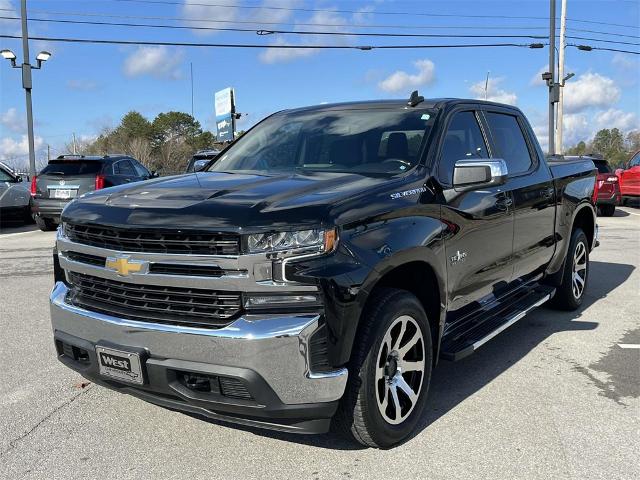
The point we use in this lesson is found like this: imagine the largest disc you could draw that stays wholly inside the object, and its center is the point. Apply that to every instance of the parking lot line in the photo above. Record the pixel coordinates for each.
(629, 345)
(7, 235)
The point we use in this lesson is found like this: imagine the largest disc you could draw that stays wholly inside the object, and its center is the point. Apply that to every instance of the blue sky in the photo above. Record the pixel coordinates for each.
(86, 88)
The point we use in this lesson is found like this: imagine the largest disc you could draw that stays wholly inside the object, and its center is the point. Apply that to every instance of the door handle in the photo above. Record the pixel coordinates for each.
(504, 202)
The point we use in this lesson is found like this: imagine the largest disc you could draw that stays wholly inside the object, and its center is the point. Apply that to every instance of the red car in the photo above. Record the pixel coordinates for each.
(629, 179)
(606, 194)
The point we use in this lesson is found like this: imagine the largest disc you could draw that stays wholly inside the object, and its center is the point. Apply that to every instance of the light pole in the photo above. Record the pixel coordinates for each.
(27, 83)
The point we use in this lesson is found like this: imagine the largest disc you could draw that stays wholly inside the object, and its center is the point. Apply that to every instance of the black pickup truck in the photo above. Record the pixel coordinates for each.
(319, 269)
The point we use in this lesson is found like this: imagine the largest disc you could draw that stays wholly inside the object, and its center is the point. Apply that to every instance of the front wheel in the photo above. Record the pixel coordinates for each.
(570, 293)
(389, 373)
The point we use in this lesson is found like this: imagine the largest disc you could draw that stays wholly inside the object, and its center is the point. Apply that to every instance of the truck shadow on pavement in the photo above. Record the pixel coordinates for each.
(452, 383)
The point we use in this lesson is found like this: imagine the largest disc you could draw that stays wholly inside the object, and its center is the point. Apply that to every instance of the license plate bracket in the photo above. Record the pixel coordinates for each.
(121, 365)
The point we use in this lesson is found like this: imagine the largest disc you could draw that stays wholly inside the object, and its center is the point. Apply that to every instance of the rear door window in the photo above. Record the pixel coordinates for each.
(510, 143)
(72, 167)
(124, 167)
(5, 177)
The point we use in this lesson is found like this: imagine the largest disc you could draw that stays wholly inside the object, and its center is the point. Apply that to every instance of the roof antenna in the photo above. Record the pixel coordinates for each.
(415, 99)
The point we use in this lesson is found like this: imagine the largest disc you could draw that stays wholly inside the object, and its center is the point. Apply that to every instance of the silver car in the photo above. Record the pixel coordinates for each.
(15, 197)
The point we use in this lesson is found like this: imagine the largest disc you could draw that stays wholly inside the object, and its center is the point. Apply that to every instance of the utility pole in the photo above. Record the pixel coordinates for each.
(191, 65)
(550, 75)
(48, 152)
(27, 84)
(561, 48)
(75, 149)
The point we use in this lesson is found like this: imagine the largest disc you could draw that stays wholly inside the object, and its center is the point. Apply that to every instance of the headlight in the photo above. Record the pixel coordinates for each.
(322, 240)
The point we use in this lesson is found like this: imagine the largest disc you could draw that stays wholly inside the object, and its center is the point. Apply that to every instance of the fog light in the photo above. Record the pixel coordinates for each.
(262, 301)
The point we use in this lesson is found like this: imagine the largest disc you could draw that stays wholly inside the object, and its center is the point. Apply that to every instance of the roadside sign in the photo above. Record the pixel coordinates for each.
(224, 109)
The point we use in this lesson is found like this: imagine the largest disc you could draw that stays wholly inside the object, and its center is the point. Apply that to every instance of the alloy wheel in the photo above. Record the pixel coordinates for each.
(400, 370)
(579, 274)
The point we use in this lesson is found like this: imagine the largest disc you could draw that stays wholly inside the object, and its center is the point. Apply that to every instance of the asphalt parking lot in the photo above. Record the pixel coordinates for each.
(555, 396)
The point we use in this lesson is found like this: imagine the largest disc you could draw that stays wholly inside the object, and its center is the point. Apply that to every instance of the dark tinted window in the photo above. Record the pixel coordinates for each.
(462, 141)
(140, 170)
(635, 161)
(510, 142)
(376, 140)
(5, 177)
(72, 167)
(602, 166)
(124, 167)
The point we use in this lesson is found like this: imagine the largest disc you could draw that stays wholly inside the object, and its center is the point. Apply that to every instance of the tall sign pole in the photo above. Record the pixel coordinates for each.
(551, 81)
(27, 84)
(561, 79)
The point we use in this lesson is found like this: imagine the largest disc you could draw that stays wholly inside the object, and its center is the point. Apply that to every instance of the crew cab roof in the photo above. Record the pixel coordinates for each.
(374, 104)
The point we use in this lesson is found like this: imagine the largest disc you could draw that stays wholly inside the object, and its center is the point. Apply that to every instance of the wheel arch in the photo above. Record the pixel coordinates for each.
(423, 280)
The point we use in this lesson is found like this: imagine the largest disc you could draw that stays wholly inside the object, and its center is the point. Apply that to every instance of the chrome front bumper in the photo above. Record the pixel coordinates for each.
(275, 347)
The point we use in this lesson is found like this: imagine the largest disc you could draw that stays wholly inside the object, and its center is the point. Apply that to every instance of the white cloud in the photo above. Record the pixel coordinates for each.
(583, 126)
(401, 81)
(11, 148)
(494, 93)
(275, 55)
(159, 62)
(223, 11)
(13, 121)
(590, 90)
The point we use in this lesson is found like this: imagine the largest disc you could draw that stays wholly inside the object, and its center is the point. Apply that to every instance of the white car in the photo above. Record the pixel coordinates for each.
(15, 197)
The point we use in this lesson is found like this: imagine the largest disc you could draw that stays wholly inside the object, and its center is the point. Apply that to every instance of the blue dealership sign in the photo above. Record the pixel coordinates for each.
(224, 109)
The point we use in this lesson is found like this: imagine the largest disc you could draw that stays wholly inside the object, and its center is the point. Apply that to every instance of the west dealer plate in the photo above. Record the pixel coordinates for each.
(119, 365)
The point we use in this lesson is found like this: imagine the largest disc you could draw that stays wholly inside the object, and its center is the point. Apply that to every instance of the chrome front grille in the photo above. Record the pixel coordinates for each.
(151, 303)
(149, 241)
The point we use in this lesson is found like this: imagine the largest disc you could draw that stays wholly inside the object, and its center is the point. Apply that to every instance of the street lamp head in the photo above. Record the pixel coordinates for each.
(43, 56)
(8, 54)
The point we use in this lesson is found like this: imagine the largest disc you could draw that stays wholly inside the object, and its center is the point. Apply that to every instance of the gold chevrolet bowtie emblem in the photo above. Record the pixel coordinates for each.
(123, 265)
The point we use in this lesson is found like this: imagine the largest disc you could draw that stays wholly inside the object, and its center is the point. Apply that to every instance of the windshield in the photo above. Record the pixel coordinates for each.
(72, 167)
(377, 141)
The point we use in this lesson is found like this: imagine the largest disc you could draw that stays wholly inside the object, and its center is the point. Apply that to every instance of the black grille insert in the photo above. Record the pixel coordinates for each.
(135, 240)
(151, 303)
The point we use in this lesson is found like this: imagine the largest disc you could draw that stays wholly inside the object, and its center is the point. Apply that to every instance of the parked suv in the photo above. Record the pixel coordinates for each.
(15, 202)
(69, 176)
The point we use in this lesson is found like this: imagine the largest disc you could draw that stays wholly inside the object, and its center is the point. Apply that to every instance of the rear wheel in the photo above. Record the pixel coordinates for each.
(607, 210)
(27, 216)
(45, 224)
(570, 293)
(389, 373)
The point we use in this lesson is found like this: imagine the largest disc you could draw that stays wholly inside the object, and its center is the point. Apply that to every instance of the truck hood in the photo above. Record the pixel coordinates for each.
(225, 201)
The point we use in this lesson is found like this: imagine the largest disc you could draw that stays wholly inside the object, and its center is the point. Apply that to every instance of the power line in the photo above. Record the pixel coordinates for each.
(307, 32)
(286, 46)
(252, 22)
(588, 48)
(321, 10)
(269, 32)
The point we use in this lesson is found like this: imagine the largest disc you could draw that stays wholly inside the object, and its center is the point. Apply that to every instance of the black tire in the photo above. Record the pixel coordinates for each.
(565, 297)
(607, 210)
(27, 216)
(359, 415)
(45, 224)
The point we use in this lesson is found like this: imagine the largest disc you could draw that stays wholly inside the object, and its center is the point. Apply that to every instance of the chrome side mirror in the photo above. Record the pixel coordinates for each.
(479, 173)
